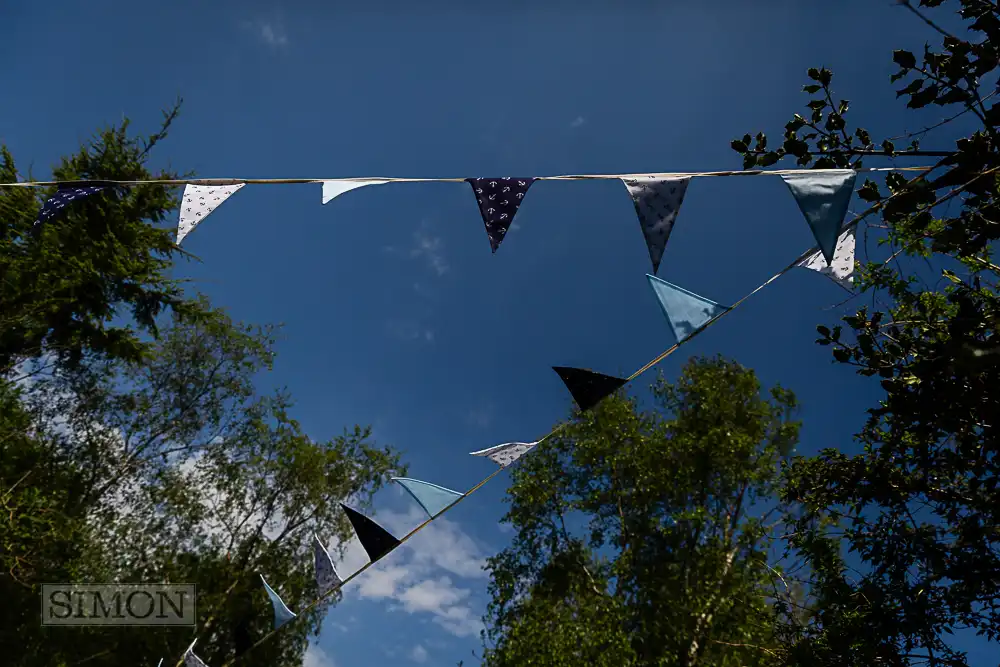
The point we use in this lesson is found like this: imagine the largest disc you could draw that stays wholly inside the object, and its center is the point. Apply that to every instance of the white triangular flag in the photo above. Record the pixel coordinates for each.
(327, 578)
(841, 269)
(333, 189)
(190, 659)
(198, 202)
(505, 454)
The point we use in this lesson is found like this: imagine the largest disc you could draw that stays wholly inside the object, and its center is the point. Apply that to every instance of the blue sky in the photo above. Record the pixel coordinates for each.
(396, 314)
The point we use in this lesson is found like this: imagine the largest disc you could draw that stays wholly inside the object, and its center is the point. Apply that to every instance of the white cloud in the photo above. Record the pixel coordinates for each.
(421, 576)
(418, 654)
(431, 248)
(409, 330)
(271, 33)
(578, 121)
(481, 416)
(316, 657)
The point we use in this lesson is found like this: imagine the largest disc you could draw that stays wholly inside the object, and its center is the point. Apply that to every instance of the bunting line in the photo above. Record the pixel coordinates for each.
(392, 179)
(554, 431)
(794, 264)
(653, 362)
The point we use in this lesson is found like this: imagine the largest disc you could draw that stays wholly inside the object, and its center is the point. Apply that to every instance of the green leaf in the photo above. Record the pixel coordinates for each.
(812, 88)
(869, 191)
(951, 276)
(739, 146)
(904, 59)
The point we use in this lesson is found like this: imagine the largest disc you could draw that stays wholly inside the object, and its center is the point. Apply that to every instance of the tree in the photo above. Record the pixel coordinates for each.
(137, 458)
(642, 537)
(62, 283)
(919, 507)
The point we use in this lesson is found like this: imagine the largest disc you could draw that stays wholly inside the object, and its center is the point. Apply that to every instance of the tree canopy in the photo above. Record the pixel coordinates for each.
(135, 442)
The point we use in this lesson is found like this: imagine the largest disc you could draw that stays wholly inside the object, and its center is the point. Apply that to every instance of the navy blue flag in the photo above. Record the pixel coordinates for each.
(61, 199)
(499, 199)
(376, 540)
(587, 387)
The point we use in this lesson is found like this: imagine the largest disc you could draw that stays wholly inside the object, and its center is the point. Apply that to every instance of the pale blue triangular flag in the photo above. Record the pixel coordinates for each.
(433, 498)
(841, 269)
(505, 454)
(327, 578)
(823, 197)
(282, 614)
(686, 312)
(190, 659)
(333, 189)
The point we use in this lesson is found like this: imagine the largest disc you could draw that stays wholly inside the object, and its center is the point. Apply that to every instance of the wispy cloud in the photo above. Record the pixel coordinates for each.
(422, 576)
(577, 122)
(418, 654)
(409, 330)
(317, 657)
(481, 416)
(431, 249)
(270, 32)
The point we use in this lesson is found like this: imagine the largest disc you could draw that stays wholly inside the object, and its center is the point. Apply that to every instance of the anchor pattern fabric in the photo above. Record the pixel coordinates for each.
(327, 578)
(499, 199)
(61, 199)
(505, 454)
(841, 269)
(657, 202)
(198, 202)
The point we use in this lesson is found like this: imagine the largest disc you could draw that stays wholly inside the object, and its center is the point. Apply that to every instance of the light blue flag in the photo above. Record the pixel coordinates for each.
(282, 614)
(686, 312)
(433, 498)
(823, 196)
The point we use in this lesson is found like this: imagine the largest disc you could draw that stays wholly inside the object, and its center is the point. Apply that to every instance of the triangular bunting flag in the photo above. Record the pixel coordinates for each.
(499, 199)
(198, 202)
(375, 539)
(686, 312)
(327, 578)
(433, 498)
(587, 387)
(282, 614)
(823, 197)
(841, 269)
(62, 198)
(505, 454)
(190, 659)
(657, 201)
(332, 189)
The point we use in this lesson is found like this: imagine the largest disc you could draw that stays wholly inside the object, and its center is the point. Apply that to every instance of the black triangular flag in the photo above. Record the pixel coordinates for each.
(499, 199)
(376, 540)
(587, 387)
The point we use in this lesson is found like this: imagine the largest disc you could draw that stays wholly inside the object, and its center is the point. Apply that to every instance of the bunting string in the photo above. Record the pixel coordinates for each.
(821, 194)
(392, 179)
(656, 360)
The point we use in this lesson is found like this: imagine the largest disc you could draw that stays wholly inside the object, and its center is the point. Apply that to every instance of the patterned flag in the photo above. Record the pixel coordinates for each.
(841, 269)
(327, 578)
(657, 201)
(686, 312)
(332, 189)
(499, 199)
(587, 387)
(433, 498)
(61, 199)
(190, 659)
(505, 454)
(823, 197)
(198, 202)
(282, 614)
(375, 539)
